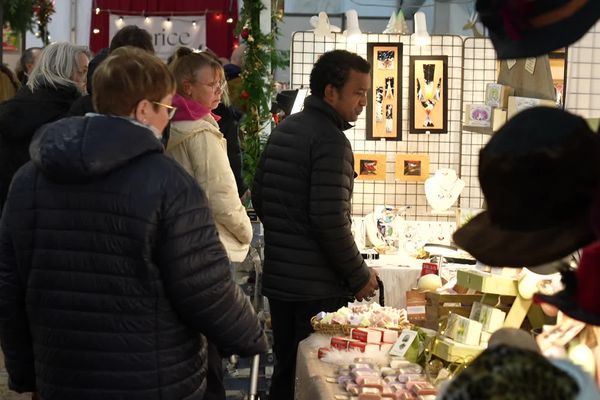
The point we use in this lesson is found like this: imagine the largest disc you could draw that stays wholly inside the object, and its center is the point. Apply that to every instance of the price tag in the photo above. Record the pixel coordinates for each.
(511, 63)
(530, 65)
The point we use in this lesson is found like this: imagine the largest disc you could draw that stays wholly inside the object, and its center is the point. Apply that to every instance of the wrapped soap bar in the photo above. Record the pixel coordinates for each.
(366, 335)
(359, 376)
(425, 388)
(340, 343)
(322, 352)
(362, 346)
(387, 335)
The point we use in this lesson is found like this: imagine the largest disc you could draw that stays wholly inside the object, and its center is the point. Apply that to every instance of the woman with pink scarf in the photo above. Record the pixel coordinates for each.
(198, 145)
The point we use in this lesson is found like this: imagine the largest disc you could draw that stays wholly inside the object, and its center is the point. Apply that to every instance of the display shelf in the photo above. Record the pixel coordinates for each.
(492, 287)
(485, 130)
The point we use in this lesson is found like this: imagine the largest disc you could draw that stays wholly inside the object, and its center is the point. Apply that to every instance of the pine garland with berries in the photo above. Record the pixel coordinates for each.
(258, 85)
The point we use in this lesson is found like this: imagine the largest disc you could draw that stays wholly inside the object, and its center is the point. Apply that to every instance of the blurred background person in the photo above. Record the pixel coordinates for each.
(26, 63)
(8, 83)
(131, 35)
(126, 275)
(56, 81)
(198, 145)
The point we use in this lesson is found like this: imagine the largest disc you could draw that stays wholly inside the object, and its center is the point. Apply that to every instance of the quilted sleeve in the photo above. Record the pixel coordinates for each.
(331, 186)
(15, 335)
(197, 277)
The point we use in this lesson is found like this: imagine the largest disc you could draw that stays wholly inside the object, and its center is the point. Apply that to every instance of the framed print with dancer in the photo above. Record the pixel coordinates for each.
(384, 109)
(428, 94)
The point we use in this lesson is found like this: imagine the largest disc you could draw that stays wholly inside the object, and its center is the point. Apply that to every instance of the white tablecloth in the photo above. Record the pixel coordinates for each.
(399, 274)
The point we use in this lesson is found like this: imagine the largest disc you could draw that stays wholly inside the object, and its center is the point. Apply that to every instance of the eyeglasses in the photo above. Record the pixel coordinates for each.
(170, 109)
(215, 86)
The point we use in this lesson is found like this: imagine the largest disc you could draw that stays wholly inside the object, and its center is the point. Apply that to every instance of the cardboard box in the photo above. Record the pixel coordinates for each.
(496, 95)
(490, 317)
(478, 115)
(449, 350)
(487, 283)
(518, 104)
(464, 330)
(498, 118)
(415, 305)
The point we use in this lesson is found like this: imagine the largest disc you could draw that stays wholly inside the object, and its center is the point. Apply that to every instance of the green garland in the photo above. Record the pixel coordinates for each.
(22, 15)
(258, 86)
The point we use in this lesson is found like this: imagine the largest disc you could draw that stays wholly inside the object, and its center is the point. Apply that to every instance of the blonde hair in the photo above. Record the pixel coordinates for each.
(128, 76)
(186, 63)
(57, 64)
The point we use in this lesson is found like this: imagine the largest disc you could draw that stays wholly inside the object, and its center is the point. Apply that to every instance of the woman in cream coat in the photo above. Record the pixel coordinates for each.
(198, 145)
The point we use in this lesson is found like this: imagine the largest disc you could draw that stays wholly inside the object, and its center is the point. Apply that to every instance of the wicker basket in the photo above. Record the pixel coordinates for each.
(343, 329)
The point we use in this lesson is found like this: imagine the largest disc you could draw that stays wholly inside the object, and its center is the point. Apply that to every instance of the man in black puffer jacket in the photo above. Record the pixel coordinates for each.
(111, 270)
(301, 193)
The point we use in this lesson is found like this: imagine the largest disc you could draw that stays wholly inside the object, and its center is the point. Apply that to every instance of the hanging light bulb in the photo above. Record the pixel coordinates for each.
(96, 31)
(421, 36)
(147, 20)
(120, 22)
(194, 24)
(229, 20)
(167, 24)
(97, 10)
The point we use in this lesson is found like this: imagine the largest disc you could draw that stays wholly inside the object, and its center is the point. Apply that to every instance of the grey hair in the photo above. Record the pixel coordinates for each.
(56, 66)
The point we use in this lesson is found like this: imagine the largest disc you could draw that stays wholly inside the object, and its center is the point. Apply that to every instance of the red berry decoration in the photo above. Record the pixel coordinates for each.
(244, 95)
(245, 33)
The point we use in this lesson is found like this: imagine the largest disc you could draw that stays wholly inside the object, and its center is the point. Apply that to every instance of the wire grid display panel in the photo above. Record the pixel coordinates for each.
(583, 75)
(479, 69)
(443, 149)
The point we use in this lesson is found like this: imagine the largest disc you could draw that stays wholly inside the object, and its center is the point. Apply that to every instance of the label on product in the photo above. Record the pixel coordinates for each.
(511, 63)
(429, 268)
(530, 65)
(403, 343)
(415, 310)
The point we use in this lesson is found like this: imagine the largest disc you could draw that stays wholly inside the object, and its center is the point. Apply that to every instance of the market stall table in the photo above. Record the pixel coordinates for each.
(312, 374)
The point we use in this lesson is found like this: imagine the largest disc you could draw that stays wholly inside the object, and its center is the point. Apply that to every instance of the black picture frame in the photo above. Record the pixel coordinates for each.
(419, 118)
(384, 105)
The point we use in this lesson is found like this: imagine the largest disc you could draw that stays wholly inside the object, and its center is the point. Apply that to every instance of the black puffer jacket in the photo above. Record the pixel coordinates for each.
(22, 115)
(111, 269)
(302, 192)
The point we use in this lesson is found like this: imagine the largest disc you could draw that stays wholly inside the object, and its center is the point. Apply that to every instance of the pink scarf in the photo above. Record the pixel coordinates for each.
(189, 110)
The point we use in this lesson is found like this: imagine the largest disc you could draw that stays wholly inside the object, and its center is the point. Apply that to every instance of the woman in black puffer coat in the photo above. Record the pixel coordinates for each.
(57, 80)
(111, 270)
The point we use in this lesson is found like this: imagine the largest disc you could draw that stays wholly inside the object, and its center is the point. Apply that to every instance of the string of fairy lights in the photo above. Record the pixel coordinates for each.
(166, 18)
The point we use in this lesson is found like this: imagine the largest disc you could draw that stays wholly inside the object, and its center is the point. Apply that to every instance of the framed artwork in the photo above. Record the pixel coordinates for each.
(370, 167)
(428, 94)
(412, 167)
(384, 109)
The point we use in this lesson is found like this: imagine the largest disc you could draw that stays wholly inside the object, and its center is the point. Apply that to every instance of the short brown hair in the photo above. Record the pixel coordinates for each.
(128, 76)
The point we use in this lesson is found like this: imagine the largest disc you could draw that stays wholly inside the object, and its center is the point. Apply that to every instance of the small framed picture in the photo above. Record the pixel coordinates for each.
(412, 167)
(384, 106)
(428, 94)
(370, 167)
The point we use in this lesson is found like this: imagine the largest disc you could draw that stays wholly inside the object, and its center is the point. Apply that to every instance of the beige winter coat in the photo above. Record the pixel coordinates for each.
(201, 149)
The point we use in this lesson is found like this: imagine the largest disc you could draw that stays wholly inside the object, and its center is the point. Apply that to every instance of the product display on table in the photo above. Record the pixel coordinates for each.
(443, 188)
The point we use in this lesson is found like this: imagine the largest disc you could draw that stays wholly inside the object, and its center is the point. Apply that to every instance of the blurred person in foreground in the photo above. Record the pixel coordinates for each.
(57, 80)
(301, 193)
(111, 269)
